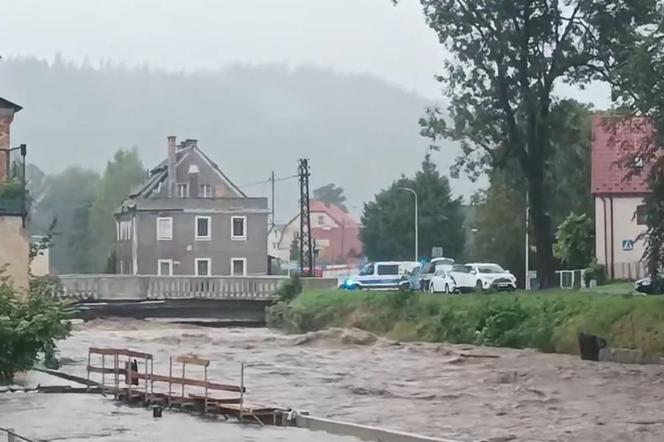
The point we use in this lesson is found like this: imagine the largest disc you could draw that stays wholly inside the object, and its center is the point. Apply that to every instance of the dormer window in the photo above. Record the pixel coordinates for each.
(207, 191)
(183, 190)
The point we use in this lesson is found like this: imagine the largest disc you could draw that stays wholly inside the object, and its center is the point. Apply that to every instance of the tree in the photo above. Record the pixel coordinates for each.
(575, 242)
(499, 229)
(67, 198)
(331, 194)
(122, 174)
(507, 58)
(500, 221)
(387, 230)
(28, 327)
(637, 86)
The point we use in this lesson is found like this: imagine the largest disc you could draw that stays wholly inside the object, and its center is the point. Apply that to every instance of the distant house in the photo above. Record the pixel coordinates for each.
(188, 218)
(335, 232)
(620, 215)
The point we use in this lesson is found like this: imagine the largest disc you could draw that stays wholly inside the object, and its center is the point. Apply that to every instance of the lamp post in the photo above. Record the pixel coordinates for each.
(408, 189)
(527, 280)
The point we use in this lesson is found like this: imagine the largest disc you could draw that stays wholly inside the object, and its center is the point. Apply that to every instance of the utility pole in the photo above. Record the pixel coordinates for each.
(272, 180)
(527, 280)
(306, 246)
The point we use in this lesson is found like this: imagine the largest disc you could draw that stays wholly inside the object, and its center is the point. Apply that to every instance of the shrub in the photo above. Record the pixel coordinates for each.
(595, 272)
(574, 241)
(29, 326)
(289, 290)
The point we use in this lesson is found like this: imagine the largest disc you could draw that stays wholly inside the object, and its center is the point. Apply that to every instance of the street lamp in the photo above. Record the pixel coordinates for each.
(408, 189)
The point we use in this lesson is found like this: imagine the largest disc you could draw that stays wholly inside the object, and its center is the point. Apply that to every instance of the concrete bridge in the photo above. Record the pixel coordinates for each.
(228, 299)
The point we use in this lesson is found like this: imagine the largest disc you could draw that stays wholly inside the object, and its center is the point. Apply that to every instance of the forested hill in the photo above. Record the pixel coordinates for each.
(359, 131)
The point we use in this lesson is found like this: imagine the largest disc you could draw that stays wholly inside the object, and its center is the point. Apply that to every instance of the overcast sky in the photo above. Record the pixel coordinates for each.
(371, 36)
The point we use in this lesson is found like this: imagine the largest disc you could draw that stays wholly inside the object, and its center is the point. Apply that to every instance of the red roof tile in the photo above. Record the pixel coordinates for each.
(612, 144)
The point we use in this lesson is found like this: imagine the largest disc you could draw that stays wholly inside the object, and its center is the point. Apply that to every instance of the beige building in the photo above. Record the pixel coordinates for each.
(620, 218)
(14, 242)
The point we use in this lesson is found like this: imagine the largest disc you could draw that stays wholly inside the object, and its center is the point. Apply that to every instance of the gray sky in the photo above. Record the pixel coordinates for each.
(372, 36)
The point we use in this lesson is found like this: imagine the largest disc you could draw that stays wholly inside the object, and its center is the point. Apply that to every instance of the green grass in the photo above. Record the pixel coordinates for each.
(549, 321)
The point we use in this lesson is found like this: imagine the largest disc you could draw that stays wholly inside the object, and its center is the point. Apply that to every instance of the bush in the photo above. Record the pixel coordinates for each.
(29, 326)
(290, 289)
(594, 272)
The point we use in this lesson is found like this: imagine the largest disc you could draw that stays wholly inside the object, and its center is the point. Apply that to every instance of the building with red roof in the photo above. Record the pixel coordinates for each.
(619, 189)
(336, 235)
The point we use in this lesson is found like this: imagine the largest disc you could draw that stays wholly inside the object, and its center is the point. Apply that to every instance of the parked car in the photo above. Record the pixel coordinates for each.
(430, 268)
(647, 287)
(442, 281)
(482, 276)
(382, 275)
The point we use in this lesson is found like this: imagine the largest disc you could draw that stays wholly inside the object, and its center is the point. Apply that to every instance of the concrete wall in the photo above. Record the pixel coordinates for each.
(40, 265)
(184, 248)
(14, 250)
(615, 222)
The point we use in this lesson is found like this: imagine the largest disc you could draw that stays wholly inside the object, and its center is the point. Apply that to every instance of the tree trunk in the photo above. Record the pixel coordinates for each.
(541, 224)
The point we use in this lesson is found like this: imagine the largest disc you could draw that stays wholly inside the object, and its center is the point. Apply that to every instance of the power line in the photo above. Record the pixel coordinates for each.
(269, 180)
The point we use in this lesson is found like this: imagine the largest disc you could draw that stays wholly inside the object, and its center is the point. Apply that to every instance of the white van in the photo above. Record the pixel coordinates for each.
(381, 275)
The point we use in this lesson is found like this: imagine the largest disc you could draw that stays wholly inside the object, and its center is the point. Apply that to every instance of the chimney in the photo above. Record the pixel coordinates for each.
(7, 111)
(193, 181)
(170, 161)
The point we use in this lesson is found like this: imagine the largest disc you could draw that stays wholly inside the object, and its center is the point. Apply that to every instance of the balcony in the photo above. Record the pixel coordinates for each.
(13, 189)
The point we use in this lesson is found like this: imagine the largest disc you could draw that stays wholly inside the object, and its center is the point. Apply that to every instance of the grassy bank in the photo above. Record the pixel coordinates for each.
(548, 321)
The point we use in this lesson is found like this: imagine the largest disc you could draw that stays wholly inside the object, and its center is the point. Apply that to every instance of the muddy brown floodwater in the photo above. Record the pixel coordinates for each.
(458, 392)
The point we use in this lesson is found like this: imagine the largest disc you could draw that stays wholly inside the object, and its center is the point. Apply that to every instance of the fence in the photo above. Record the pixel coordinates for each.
(144, 287)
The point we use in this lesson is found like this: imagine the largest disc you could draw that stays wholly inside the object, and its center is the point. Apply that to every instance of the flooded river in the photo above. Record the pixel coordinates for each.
(457, 392)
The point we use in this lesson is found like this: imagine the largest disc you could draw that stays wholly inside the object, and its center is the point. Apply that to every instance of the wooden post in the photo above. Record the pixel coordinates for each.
(183, 372)
(170, 378)
(103, 373)
(10, 435)
(152, 377)
(147, 399)
(129, 378)
(88, 369)
(241, 390)
(206, 392)
(116, 362)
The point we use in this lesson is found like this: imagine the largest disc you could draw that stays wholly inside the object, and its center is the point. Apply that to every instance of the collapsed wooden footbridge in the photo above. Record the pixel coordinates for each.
(130, 377)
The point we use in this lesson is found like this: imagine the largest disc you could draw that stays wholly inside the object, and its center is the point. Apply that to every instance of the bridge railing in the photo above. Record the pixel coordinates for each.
(145, 287)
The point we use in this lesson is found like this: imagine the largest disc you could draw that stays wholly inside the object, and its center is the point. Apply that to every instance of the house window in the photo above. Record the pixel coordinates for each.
(202, 266)
(239, 227)
(207, 191)
(239, 266)
(202, 227)
(321, 220)
(165, 267)
(164, 229)
(641, 215)
(183, 190)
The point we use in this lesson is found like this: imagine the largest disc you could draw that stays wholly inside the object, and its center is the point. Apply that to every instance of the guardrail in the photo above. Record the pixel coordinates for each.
(147, 287)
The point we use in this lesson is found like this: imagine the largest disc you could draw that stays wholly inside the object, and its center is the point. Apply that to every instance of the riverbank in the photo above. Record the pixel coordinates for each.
(548, 321)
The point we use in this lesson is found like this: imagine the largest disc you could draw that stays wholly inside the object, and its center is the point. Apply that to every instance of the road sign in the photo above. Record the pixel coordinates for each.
(627, 245)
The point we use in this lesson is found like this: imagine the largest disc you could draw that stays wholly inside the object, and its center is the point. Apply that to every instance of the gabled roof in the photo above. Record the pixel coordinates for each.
(159, 173)
(333, 211)
(614, 141)
(6, 104)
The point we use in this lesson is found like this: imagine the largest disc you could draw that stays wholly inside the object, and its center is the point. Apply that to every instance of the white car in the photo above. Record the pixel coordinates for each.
(482, 276)
(442, 281)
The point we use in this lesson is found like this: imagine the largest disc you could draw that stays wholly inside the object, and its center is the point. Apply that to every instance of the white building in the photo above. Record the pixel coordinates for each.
(619, 208)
